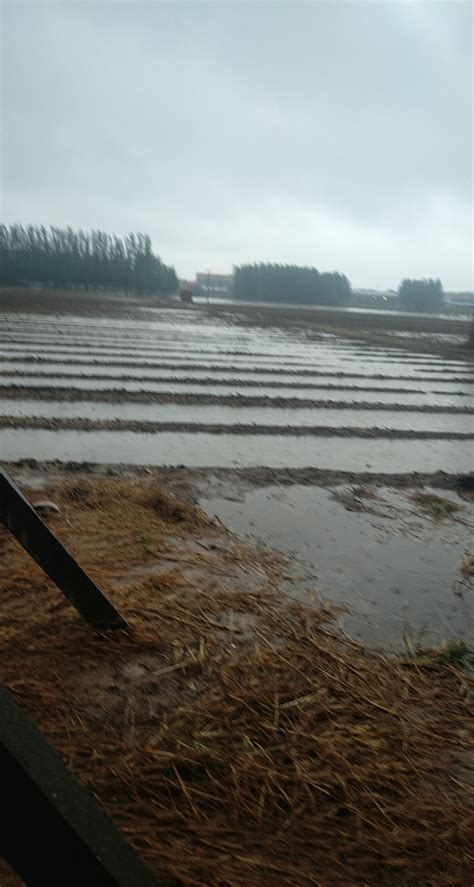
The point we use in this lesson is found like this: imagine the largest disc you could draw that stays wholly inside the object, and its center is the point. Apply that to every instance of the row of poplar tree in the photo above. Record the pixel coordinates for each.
(62, 257)
(290, 283)
(421, 295)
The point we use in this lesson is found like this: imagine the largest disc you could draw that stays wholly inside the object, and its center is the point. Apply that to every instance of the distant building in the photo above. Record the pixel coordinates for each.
(459, 300)
(214, 284)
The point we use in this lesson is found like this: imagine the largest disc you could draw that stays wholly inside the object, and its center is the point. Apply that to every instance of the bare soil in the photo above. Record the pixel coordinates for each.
(192, 483)
(117, 395)
(117, 425)
(374, 327)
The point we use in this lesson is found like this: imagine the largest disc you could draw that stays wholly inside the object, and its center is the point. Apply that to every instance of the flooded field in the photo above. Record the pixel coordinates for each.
(223, 450)
(186, 389)
(217, 415)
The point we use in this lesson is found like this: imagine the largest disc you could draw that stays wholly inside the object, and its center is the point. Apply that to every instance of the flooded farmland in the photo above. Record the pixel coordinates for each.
(179, 390)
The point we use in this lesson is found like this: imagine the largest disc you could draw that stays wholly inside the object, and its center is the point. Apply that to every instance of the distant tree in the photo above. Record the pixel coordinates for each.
(61, 257)
(290, 283)
(421, 295)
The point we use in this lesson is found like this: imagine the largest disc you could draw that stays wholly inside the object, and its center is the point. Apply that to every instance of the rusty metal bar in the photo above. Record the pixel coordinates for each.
(51, 555)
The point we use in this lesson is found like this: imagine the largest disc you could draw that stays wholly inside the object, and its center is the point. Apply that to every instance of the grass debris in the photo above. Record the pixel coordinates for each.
(174, 510)
(437, 506)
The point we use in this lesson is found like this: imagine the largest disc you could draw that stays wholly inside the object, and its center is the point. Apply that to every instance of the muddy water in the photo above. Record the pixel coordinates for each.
(225, 415)
(206, 450)
(396, 569)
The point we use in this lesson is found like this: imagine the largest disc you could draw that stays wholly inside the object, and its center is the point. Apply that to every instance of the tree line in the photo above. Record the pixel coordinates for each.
(290, 283)
(421, 295)
(62, 257)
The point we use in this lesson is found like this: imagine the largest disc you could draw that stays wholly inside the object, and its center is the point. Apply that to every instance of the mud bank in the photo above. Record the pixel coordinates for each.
(83, 424)
(122, 395)
(193, 483)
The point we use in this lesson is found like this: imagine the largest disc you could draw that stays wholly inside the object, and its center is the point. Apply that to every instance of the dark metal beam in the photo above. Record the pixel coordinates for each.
(52, 832)
(38, 540)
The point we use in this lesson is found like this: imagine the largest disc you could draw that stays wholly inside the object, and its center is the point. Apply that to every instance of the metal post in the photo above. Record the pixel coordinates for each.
(51, 555)
(51, 830)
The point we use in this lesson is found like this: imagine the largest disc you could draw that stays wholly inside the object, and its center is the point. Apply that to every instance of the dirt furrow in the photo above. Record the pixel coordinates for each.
(242, 383)
(118, 395)
(189, 482)
(218, 368)
(83, 424)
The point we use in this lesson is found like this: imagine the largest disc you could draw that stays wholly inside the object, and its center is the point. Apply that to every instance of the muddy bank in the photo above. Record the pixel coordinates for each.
(288, 369)
(192, 483)
(252, 383)
(83, 424)
(243, 383)
(86, 304)
(123, 395)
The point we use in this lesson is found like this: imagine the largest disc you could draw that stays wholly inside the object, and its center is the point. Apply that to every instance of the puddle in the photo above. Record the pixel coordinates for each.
(205, 450)
(228, 415)
(394, 572)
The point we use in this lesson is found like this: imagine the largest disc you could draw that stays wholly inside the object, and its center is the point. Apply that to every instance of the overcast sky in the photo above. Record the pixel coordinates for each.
(336, 134)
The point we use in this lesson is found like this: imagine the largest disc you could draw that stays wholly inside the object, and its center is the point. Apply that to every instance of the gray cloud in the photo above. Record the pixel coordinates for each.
(329, 133)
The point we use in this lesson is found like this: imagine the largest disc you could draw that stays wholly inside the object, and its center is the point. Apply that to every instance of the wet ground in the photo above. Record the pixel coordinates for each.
(204, 414)
(223, 450)
(110, 382)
